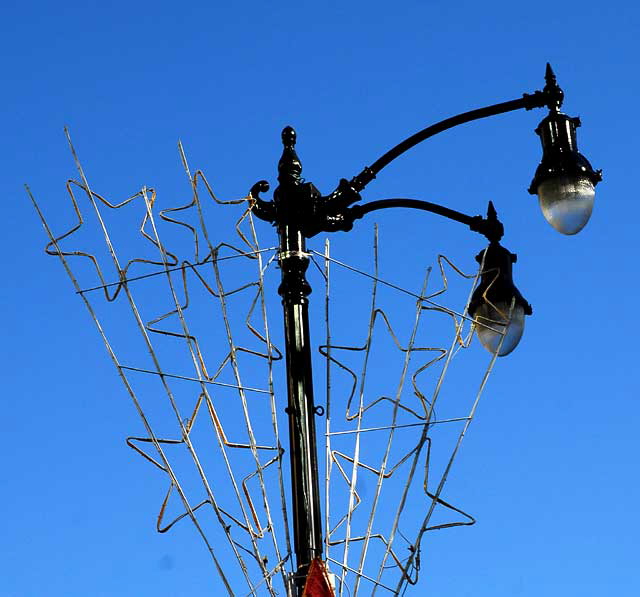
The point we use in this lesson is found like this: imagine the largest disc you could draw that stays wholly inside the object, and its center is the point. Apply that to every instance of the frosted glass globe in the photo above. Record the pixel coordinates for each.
(566, 202)
(493, 324)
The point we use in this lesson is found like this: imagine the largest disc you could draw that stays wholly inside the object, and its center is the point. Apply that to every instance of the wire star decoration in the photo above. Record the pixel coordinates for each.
(200, 361)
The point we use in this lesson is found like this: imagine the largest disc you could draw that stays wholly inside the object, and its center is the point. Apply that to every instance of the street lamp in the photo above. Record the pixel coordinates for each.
(564, 182)
(496, 305)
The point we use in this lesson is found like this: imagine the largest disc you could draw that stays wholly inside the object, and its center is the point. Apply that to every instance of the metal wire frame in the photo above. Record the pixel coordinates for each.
(351, 575)
(246, 503)
(248, 526)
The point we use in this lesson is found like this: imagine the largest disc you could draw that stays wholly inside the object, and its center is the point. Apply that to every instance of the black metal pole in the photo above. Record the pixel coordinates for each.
(289, 200)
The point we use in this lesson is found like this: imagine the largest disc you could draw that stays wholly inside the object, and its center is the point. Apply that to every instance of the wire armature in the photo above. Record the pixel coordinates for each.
(204, 386)
(250, 530)
(374, 541)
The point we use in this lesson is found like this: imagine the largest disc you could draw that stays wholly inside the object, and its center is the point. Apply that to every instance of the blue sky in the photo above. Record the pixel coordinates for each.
(548, 466)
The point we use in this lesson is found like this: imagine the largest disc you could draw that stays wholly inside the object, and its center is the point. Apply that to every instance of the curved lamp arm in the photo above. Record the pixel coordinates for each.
(550, 96)
(490, 226)
(538, 99)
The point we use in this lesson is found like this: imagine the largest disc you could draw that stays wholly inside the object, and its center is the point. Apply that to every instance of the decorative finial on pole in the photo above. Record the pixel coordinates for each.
(289, 136)
(555, 95)
(289, 166)
(491, 227)
(549, 75)
(492, 214)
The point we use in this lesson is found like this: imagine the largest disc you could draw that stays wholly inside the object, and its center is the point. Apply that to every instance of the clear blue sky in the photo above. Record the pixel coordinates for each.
(549, 465)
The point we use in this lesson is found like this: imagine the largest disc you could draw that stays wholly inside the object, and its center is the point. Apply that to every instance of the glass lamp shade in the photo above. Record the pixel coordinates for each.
(499, 327)
(566, 202)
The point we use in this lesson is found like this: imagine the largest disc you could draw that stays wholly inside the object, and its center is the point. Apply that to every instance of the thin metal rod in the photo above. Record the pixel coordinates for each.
(186, 378)
(387, 427)
(177, 268)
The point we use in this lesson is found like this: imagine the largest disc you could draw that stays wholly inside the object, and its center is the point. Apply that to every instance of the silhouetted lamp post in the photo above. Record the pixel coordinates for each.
(564, 182)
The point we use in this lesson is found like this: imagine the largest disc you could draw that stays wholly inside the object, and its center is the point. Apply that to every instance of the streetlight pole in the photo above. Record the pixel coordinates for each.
(300, 211)
(294, 289)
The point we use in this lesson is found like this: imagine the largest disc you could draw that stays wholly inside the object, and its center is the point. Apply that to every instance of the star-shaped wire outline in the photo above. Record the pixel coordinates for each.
(426, 303)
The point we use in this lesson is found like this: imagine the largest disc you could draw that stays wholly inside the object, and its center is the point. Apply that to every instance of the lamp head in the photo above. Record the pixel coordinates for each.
(497, 307)
(564, 181)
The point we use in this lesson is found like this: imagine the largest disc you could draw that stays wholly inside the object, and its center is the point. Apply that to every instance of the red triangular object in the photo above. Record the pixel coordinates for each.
(317, 584)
